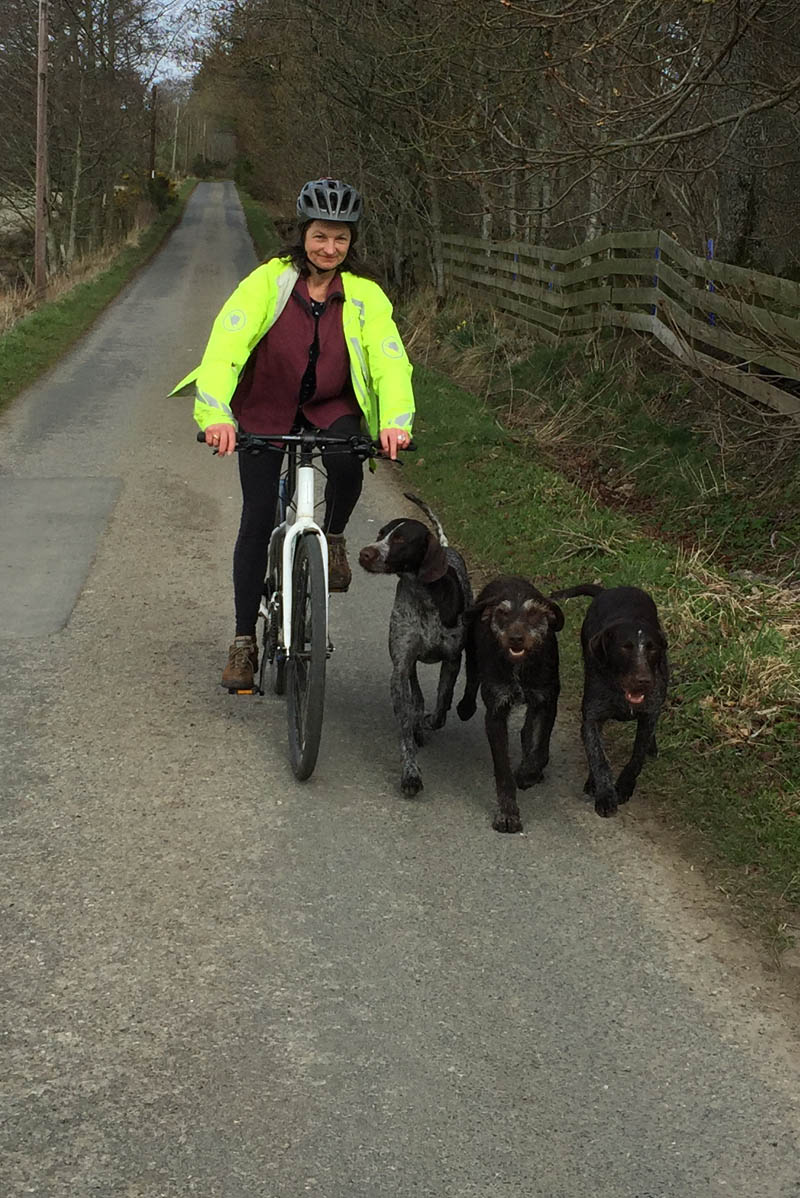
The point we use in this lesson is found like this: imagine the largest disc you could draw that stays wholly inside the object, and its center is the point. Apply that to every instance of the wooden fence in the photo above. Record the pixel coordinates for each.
(740, 326)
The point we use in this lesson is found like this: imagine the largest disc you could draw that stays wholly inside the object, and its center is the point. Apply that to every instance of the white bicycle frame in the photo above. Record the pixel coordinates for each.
(299, 521)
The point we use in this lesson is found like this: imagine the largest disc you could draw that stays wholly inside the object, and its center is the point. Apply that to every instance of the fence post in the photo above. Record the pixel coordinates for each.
(712, 316)
(613, 289)
(657, 256)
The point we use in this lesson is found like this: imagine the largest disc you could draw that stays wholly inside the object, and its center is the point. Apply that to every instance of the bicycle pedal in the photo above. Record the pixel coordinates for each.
(252, 691)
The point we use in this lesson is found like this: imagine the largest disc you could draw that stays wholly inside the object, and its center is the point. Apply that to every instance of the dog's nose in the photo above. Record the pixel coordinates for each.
(368, 556)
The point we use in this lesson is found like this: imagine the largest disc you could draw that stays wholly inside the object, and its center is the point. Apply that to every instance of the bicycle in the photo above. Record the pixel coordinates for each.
(295, 644)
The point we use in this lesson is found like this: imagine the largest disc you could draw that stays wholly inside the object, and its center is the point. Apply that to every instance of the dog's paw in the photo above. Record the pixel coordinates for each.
(626, 784)
(466, 709)
(411, 783)
(605, 803)
(506, 821)
(433, 722)
(526, 776)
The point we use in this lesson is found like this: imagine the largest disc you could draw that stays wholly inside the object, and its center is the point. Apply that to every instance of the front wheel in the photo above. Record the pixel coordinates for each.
(308, 655)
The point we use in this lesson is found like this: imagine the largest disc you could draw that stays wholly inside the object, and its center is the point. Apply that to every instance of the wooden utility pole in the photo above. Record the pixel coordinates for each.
(40, 231)
(153, 133)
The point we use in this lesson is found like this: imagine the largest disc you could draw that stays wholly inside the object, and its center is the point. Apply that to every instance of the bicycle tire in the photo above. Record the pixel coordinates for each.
(273, 653)
(308, 656)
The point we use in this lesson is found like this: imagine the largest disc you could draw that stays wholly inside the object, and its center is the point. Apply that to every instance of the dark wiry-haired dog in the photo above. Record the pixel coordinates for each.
(426, 624)
(512, 655)
(625, 678)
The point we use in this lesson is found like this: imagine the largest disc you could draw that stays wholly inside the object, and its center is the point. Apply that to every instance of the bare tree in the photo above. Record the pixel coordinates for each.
(525, 118)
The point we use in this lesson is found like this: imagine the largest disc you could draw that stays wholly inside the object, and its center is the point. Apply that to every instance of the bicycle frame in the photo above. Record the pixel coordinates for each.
(299, 521)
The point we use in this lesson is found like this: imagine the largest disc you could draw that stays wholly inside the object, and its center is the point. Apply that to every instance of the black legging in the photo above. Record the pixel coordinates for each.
(259, 475)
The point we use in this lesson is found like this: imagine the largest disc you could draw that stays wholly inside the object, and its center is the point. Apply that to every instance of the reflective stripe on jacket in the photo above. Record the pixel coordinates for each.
(379, 366)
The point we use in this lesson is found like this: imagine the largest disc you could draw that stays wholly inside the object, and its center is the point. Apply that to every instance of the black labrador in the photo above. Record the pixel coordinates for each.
(426, 625)
(512, 655)
(626, 673)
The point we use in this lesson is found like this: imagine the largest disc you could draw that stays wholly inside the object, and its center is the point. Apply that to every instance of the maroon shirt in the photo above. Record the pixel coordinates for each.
(266, 399)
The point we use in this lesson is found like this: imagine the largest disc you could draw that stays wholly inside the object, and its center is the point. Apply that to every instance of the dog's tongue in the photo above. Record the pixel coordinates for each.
(634, 697)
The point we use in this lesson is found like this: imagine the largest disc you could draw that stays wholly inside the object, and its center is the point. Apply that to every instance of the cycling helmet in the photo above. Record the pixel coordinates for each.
(329, 199)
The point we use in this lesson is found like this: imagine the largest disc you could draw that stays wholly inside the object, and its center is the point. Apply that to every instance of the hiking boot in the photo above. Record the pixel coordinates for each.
(339, 573)
(239, 673)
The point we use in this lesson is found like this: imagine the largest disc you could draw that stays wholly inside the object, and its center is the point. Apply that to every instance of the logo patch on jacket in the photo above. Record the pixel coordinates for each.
(392, 348)
(235, 320)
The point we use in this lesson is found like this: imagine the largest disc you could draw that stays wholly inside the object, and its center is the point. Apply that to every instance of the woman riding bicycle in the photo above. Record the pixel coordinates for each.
(305, 341)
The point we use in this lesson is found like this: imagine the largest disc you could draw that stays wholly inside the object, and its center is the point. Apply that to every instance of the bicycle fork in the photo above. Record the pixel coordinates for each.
(284, 542)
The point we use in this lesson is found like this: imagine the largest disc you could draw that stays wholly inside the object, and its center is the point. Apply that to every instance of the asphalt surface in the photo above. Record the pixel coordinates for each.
(219, 981)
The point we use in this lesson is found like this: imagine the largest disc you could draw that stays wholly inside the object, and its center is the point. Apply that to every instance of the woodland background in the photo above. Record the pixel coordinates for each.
(550, 121)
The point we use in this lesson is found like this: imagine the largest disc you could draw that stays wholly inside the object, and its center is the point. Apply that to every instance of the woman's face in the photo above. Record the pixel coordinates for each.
(326, 243)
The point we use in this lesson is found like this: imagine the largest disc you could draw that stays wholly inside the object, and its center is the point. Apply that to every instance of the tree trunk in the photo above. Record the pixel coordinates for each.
(437, 259)
(76, 180)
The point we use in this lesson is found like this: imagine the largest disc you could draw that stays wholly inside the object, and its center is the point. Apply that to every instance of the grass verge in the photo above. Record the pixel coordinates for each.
(506, 470)
(37, 341)
(259, 225)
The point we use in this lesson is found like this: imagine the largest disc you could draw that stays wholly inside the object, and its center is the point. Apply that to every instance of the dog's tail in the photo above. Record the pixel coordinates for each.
(434, 519)
(587, 588)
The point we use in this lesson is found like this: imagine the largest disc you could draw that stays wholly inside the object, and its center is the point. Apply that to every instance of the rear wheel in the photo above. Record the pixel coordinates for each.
(274, 653)
(307, 660)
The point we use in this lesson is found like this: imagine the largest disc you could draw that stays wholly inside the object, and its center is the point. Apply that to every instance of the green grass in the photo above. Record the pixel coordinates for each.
(37, 341)
(730, 752)
(259, 225)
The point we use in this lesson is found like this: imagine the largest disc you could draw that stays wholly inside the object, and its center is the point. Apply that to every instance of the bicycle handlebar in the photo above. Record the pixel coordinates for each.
(362, 446)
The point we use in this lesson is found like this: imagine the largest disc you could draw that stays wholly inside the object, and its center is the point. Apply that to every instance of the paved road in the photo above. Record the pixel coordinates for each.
(221, 982)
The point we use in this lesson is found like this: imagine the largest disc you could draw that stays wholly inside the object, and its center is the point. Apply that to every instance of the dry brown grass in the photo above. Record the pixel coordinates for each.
(576, 543)
(756, 684)
(15, 303)
(475, 349)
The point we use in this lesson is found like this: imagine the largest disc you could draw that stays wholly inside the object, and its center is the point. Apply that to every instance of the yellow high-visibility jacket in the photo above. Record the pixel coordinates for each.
(379, 366)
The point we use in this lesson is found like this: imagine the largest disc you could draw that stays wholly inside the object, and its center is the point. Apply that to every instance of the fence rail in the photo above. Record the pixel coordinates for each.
(740, 326)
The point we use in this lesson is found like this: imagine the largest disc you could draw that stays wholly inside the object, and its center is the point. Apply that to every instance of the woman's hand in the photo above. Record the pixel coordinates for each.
(393, 439)
(221, 437)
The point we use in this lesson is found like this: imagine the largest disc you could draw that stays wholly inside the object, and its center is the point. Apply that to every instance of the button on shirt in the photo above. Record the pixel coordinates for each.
(300, 365)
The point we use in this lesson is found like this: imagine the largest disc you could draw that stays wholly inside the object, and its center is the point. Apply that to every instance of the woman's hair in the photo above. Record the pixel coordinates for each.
(295, 251)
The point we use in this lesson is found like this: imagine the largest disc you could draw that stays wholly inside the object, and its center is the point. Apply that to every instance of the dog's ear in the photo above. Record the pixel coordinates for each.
(555, 616)
(485, 609)
(597, 646)
(434, 563)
